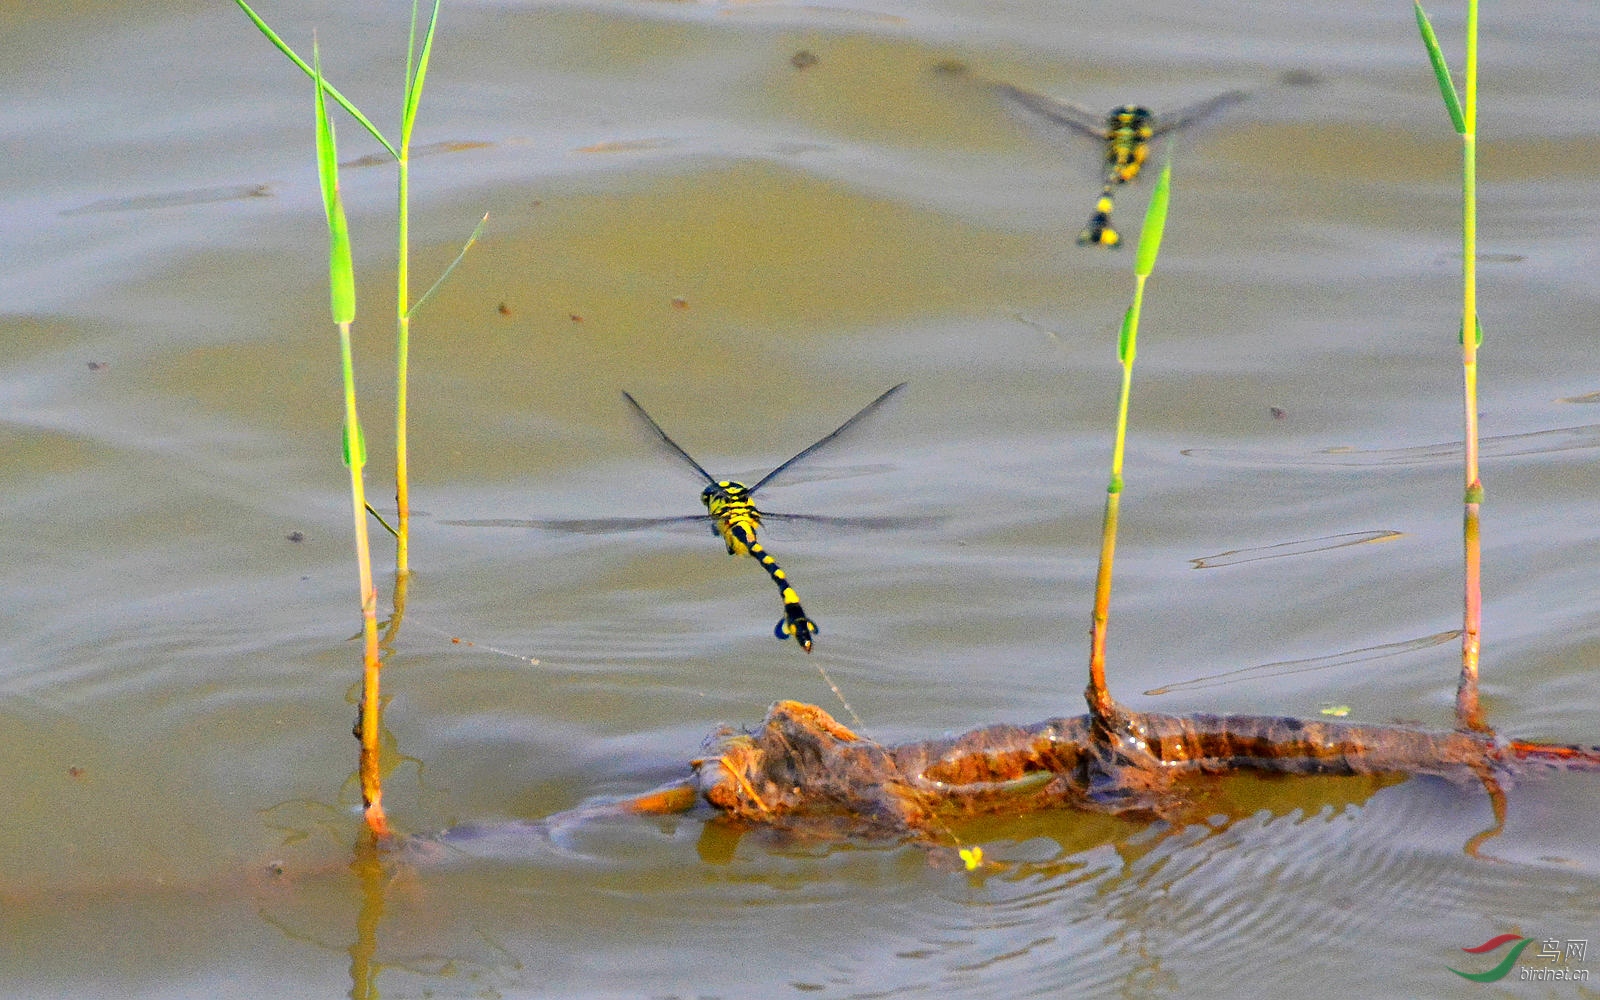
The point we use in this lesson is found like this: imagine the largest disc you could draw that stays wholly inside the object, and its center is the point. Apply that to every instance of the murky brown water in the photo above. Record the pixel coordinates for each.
(756, 250)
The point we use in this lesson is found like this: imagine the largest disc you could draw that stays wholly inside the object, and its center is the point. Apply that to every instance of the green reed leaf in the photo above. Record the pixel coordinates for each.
(1128, 338)
(417, 73)
(1155, 223)
(353, 444)
(333, 92)
(476, 232)
(341, 268)
(1441, 70)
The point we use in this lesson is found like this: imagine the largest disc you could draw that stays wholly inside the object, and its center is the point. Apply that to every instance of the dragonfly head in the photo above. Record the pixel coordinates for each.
(1134, 116)
(719, 496)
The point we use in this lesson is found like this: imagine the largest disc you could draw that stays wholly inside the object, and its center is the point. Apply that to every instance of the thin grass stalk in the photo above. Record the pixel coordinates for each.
(1464, 117)
(1468, 710)
(416, 76)
(1098, 695)
(342, 300)
(402, 375)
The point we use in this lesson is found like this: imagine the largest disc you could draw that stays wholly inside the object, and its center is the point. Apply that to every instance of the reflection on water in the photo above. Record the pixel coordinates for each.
(1286, 667)
(1077, 902)
(682, 205)
(1281, 550)
(202, 196)
(1501, 446)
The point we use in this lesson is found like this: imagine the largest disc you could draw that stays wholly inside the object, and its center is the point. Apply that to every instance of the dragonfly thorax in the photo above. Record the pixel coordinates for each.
(721, 495)
(729, 502)
(1128, 129)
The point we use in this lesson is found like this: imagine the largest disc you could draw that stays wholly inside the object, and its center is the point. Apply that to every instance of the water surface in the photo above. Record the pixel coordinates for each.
(757, 248)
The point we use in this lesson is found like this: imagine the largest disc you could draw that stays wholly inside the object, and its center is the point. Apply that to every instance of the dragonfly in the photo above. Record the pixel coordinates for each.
(1126, 132)
(732, 514)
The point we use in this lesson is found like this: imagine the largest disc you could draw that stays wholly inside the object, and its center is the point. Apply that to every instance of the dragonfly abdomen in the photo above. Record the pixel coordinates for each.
(741, 537)
(1097, 231)
(737, 522)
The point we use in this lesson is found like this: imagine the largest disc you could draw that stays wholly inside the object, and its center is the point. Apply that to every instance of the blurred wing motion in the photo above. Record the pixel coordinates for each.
(609, 525)
(1073, 116)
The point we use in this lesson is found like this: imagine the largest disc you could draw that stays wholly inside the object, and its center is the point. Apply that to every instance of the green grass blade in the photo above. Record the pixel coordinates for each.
(476, 232)
(417, 75)
(341, 267)
(340, 99)
(1441, 70)
(1128, 339)
(354, 446)
(1155, 223)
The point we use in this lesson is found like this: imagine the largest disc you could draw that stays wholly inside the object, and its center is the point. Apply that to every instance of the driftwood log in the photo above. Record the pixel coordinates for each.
(803, 770)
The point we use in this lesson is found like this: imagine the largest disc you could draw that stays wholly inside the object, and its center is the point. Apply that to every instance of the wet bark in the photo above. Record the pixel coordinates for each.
(801, 765)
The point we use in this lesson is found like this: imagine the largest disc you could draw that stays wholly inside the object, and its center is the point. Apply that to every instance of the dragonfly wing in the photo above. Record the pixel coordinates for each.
(672, 445)
(1056, 112)
(1195, 112)
(838, 432)
(850, 523)
(587, 526)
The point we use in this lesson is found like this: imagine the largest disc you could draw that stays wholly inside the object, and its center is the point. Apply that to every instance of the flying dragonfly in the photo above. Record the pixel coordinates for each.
(732, 515)
(1126, 132)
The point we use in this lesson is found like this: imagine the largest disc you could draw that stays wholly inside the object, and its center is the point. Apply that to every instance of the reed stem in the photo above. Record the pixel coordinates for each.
(1464, 117)
(342, 283)
(370, 766)
(1468, 710)
(342, 304)
(1098, 695)
(416, 75)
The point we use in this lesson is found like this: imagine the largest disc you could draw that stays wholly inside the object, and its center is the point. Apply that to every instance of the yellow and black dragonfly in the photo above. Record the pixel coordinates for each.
(1126, 133)
(732, 515)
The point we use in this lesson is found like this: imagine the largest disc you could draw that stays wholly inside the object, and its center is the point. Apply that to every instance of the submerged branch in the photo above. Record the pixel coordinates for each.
(802, 769)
